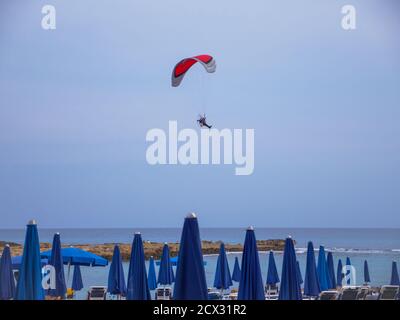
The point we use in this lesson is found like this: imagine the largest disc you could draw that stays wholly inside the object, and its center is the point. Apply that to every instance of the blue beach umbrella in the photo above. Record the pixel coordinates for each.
(367, 278)
(394, 280)
(299, 276)
(290, 284)
(57, 262)
(116, 279)
(138, 286)
(77, 283)
(7, 282)
(348, 262)
(311, 282)
(322, 270)
(152, 275)
(251, 285)
(75, 256)
(222, 278)
(339, 274)
(331, 271)
(17, 260)
(165, 272)
(236, 271)
(272, 274)
(29, 286)
(190, 279)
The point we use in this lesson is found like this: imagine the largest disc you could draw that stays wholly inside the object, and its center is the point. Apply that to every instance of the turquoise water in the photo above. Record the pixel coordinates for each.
(379, 246)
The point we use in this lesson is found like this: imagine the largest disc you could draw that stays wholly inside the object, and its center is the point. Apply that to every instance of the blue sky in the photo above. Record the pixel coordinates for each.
(76, 103)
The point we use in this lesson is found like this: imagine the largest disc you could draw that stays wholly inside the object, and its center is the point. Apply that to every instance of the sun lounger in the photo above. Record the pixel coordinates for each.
(349, 293)
(164, 293)
(328, 295)
(271, 292)
(97, 293)
(363, 292)
(389, 293)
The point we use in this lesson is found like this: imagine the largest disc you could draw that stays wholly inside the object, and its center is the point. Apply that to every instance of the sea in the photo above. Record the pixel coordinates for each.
(378, 246)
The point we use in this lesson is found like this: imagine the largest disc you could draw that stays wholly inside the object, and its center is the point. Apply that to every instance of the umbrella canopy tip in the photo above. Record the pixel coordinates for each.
(250, 228)
(191, 215)
(32, 222)
(7, 245)
(137, 232)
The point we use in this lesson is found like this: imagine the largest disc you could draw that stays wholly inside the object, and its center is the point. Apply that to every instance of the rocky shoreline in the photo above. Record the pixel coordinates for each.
(152, 248)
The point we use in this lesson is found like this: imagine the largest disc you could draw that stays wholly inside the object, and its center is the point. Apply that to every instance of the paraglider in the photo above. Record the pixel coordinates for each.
(183, 66)
(202, 122)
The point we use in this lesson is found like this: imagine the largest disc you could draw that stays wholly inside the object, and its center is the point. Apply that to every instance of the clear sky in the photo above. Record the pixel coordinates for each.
(76, 103)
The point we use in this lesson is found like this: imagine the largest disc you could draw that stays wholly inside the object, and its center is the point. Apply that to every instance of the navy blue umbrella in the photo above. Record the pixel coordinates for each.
(331, 271)
(290, 284)
(348, 262)
(236, 271)
(394, 280)
(138, 286)
(165, 272)
(322, 270)
(339, 274)
(311, 282)
(77, 283)
(152, 279)
(116, 278)
(251, 285)
(29, 286)
(222, 278)
(299, 276)
(7, 282)
(190, 280)
(57, 262)
(272, 274)
(367, 278)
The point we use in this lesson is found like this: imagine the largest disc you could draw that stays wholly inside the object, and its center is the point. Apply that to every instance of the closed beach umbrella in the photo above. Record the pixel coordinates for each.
(331, 271)
(299, 276)
(367, 278)
(56, 261)
(236, 271)
(165, 272)
(311, 282)
(116, 278)
(152, 275)
(348, 263)
(322, 269)
(29, 286)
(394, 280)
(290, 284)
(190, 279)
(7, 283)
(77, 283)
(222, 278)
(339, 274)
(272, 274)
(138, 286)
(251, 286)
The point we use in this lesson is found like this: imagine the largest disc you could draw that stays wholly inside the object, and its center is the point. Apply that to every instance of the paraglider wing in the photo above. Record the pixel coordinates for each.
(184, 65)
